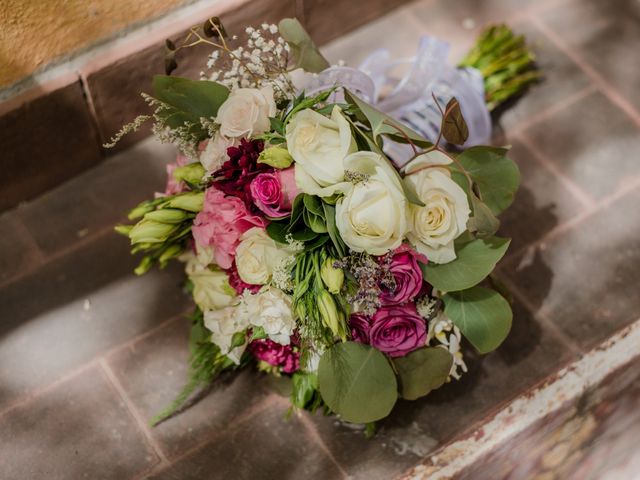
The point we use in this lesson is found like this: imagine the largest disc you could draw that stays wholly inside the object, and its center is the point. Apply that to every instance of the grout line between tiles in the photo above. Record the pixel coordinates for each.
(312, 431)
(237, 423)
(81, 242)
(578, 219)
(583, 197)
(87, 366)
(557, 107)
(541, 316)
(42, 390)
(603, 85)
(143, 427)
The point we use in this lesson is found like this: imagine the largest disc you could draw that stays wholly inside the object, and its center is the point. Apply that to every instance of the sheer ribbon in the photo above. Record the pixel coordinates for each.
(407, 96)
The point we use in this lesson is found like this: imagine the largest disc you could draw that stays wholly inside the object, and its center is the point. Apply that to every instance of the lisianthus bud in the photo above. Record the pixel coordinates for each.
(191, 201)
(143, 267)
(171, 252)
(276, 157)
(332, 277)
(167, 215)
(150, 231)
(191, 173)
(123, 229)
(140, 210)
(328, 311)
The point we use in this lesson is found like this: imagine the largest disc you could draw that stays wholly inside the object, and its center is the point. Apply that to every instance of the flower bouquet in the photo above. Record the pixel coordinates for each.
(326, 240)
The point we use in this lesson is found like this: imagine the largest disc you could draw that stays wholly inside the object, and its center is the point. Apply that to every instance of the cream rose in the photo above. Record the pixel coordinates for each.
(211, 289)
(223, 324)
(215, 153)
(434, 227)
(319, 145)
(257, 256)
(246, 112)
(371, 217)
(271, 309)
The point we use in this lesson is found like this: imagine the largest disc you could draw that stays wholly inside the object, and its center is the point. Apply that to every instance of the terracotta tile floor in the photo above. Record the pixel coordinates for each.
(88, 352)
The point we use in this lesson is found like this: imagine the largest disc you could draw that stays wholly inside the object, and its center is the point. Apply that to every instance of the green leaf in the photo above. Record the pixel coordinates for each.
(278, 231)
(454, 127)
(305, 386)
(482, 315)
(357, 382)
(189, 100)
(483, 221)
(332, 229)
(496, 176)
(277, 125)
(305, 52)
(475, 260)
(313, 204)
(304, 234)
(423, 370)
(383, 124)
(257, 333)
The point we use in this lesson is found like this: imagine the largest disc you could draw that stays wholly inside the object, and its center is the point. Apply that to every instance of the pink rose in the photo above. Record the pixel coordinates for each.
(397, 330)
(406, 274)
(220, 223)
(273, 192)
(275, 354)
(360, 325)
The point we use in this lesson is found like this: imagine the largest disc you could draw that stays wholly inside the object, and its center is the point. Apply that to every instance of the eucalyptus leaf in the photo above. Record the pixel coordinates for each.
(188, 100)
(305, 52)
(483, 221)
(454, 127)
(422, 370)
(475, 260)
(357, 382)
(383, 124)
(482, 315)
(495, 175)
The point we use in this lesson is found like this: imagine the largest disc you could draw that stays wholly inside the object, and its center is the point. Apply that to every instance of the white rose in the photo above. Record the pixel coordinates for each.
(246, 112)
(223, 324)
(215, 153)
(257, 256)
(434, 227)
(271, 309)
(211, 289)
(371, 217)
(319, 145)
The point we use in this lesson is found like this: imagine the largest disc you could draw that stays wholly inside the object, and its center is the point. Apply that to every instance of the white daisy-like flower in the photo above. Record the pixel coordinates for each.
(445, 334)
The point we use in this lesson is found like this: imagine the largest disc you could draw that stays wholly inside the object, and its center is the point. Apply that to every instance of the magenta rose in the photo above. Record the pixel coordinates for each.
(273, 192)
(220, 224)
(397, 330)
(360, 325)
(407, 276)
(275, 354)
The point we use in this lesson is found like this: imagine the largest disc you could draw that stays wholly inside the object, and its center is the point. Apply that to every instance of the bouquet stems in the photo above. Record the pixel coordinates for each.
(506, 63)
